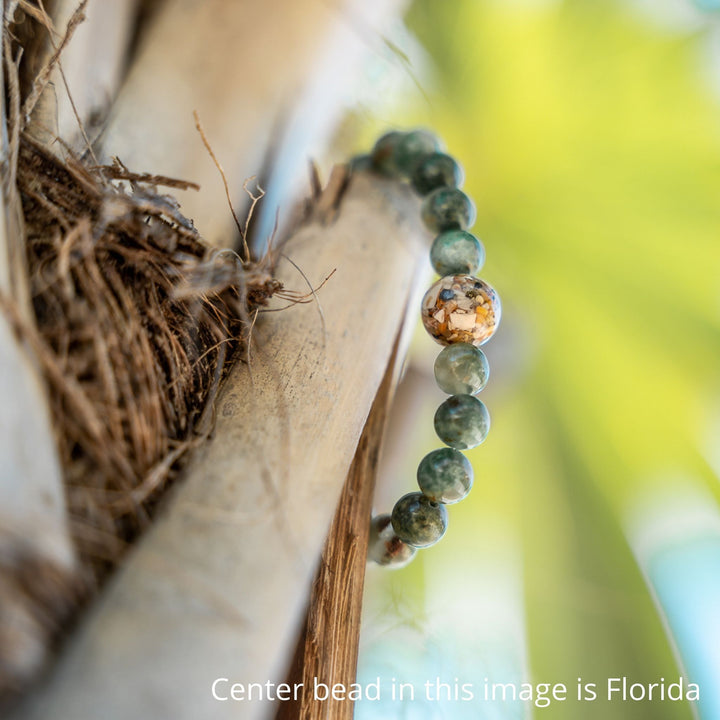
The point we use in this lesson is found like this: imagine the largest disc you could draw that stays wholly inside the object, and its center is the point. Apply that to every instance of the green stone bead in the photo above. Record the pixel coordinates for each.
(419, 521)
(462, 422)
(461, 369)
(457, 252)
(385, 547)
(434, 171)
(361, 163)
(383, 152)
(412, 148)
(445, 476)
(448, 209)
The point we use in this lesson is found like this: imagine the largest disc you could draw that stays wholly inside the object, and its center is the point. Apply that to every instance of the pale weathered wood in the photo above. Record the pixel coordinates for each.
(93, 65)
(266, 78)
(219, 585)
(82, 84)
(37, 560)
(328, 646)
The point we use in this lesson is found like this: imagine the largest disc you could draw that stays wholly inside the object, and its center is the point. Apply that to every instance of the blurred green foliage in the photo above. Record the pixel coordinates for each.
(591, 145)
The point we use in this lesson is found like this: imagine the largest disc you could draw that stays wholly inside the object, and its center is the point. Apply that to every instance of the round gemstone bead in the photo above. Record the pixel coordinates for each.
(385, 547)
(461, 369)
(445, 476)
(461, 308)
(383, 152)
(412, 148)
(361, 163)
(462, 422)
(419, 521)
(456, 252)
(447, 209)
(434, 171)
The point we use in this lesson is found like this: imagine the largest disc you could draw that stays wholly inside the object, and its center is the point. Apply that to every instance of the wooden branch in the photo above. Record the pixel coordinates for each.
(85, 81)
(254, 72)
(218, 587)
(37, 560)
(328, 646)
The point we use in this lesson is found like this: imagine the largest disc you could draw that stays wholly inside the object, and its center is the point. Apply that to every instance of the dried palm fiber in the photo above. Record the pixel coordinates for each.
(253, 110)
(136, 316)
(131, 319)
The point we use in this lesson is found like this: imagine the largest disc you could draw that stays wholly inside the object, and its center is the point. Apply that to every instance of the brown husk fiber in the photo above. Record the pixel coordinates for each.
(137, 320)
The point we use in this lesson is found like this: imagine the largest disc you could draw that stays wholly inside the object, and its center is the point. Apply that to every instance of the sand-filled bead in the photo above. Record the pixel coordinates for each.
(434, 171)
(419, 521)
(462, 422)
(457, 252)
(445, 476)
(412, 149)
(385, 547)
(447, 209)
(461, 369)
(461, 308)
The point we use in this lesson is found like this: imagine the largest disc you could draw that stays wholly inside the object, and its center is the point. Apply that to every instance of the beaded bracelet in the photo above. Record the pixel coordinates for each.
(461, 312)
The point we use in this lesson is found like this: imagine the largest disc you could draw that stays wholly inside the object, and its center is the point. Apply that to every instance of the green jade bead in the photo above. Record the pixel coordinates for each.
(457, 252)
(361, 163)
(385, 547)
(447, 209)
(383, 152)
(412, 149)
(445, 476)
(419, 521)
(434, 171)
(461, 369)
(462, 422)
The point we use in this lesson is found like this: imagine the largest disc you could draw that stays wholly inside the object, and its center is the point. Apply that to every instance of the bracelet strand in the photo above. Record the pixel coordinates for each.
(461, 312)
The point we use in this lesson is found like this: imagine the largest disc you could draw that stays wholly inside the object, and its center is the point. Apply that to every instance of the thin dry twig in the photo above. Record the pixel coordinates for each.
(208, 147)
(43, 77)
(136, 319)
(120, 172)
(81, 126)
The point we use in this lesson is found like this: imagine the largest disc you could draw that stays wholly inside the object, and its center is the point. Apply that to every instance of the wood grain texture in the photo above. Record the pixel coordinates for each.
(328, 646)
(220, 584)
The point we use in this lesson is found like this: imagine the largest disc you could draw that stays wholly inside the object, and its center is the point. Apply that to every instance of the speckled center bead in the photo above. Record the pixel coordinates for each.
(445, 476)
(461, 308)
(385, 547)
(434, 171)
(462, 422)
(447, 209)
(419, 521)
(383, 152)
(457, 252)
(461, 369)
(412, 148)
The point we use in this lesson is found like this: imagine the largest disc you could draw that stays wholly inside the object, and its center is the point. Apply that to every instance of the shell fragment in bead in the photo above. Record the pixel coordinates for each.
(461, 308)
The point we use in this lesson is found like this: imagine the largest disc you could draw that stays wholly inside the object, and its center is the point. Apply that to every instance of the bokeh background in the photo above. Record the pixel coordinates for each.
(589, 547)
